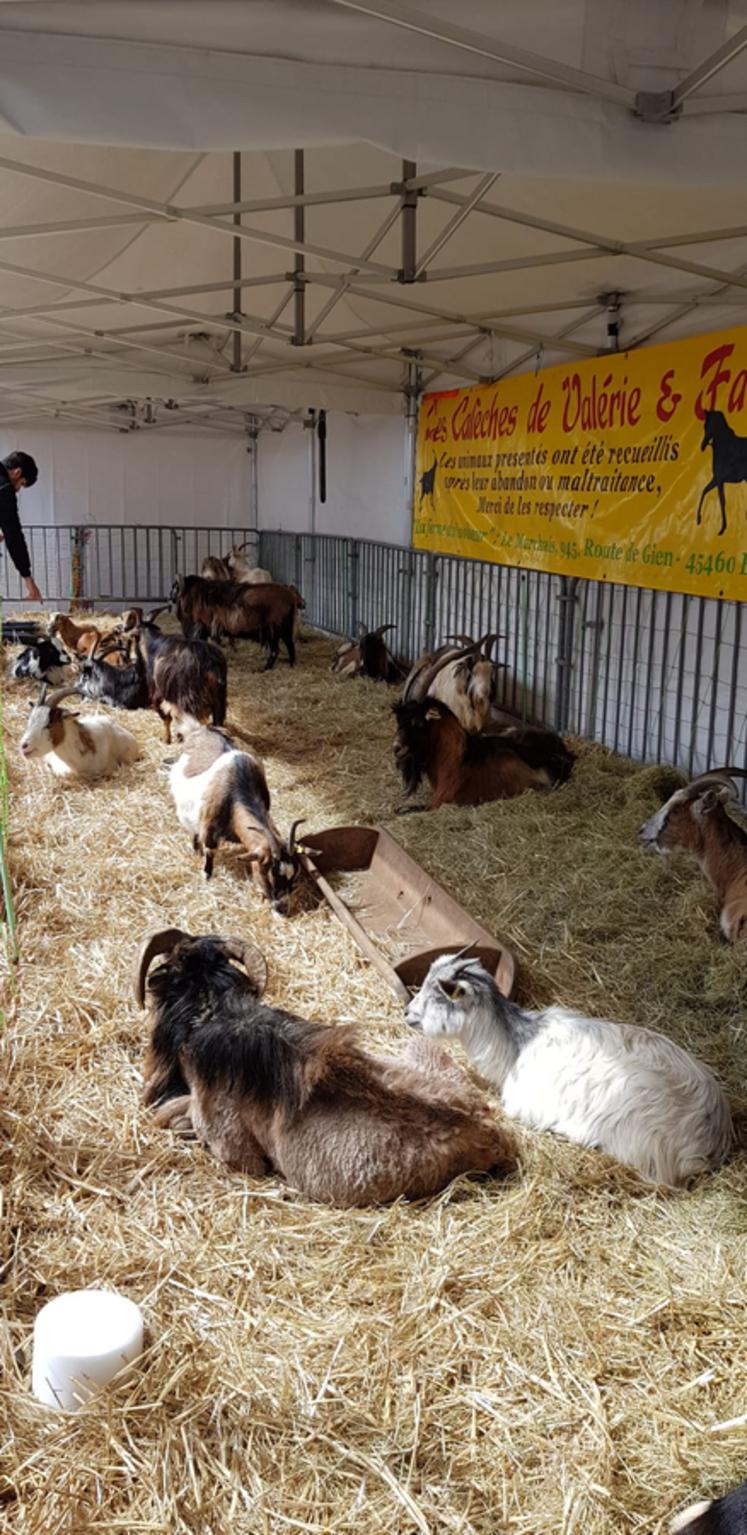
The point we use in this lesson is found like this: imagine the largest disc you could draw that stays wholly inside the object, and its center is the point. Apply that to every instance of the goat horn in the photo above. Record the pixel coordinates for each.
(154, 613)
(159, 942)
(53, 699)
(461, 639)
(383, 628)
(294, 828)
(721, 776)
(251, 957)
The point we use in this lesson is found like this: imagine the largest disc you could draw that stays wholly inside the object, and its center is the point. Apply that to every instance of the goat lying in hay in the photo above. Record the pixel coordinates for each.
(367, 656)
(268, 1092)
(470, 770)
(230, 609)
(628, 1091)
(695, 819)
(72, 745)
(173, 676)
(462, 676)
(43, 660)
(221, 795)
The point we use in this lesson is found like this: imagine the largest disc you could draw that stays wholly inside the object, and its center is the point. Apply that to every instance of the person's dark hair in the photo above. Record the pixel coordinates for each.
(25, 463)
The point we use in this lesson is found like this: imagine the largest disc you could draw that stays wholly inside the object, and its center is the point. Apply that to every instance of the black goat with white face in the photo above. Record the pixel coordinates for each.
(42, 661)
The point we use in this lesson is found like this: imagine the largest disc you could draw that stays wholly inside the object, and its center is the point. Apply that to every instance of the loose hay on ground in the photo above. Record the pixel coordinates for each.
(552, 1357)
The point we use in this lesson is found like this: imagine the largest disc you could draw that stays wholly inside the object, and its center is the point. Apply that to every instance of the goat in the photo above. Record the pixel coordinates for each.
(470, 770)
(725, 1516)
(42, 661)
(729, 459)
(221, 795)
(367, 656)
(75, 746)
(239, 568)
(123, 687)
(263, 613)
(216, 569)
(462, 676)
(80, 639)
(626, 1090)
(695, 819)
(184, 677)
(268, 1092)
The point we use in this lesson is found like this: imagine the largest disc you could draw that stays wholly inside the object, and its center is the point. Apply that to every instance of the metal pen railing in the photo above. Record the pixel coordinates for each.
(655, 675)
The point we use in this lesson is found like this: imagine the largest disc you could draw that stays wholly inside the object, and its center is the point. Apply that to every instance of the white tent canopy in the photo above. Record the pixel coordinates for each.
(471, 199)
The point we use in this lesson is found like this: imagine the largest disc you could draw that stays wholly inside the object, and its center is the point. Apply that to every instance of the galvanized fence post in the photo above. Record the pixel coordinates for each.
(353, 576)
(564, 662)
(432, 566)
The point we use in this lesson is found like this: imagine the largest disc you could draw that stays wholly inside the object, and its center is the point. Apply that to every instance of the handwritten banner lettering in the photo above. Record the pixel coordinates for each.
(627, 468)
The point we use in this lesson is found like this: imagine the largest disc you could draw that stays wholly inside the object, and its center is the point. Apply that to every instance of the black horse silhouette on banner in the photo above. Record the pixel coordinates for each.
(729, 459)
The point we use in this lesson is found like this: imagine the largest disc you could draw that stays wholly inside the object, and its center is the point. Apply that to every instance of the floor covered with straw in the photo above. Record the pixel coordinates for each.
(565, 1354)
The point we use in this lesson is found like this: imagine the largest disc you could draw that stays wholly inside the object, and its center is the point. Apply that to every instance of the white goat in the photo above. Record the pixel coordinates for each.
(626, 1090)
(75, 746)
(241, 570)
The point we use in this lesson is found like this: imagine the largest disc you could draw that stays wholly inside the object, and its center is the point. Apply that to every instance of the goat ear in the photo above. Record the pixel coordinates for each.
(708, 801)
(452, 989)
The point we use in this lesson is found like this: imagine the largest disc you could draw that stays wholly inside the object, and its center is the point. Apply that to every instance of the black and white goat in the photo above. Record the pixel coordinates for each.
(724, 1516)
(72, 745)
(462, 676)
(44, 660)
(628, 1091)
(268, 1092)
(221, 795)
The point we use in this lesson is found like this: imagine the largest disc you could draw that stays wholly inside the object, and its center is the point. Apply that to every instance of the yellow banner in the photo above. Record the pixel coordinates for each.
(627, 467)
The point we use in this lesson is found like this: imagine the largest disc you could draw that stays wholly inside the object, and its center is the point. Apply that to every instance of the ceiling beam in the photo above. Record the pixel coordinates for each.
(709, 67)
(472, 202)
(532, 64)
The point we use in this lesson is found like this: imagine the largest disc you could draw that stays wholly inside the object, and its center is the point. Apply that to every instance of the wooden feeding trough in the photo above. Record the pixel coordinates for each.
(398, 907)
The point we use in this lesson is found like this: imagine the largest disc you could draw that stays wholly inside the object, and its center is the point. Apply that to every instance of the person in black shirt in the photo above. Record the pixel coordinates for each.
(17, 471)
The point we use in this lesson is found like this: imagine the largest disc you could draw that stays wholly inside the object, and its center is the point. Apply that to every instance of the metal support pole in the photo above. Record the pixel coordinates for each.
(236, 362)
(253, 433)
(413, 389)
(352, 624)
(409, 228)
(429, 607)
(299, 233)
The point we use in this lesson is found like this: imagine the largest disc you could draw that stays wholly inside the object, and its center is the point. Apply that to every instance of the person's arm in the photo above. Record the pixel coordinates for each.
(15, 541)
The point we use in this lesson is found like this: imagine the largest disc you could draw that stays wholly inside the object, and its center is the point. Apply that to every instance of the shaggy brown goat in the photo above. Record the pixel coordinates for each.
(268, 1092)
(231, 609)
(469, 770)
(213, 568)
(695, 819)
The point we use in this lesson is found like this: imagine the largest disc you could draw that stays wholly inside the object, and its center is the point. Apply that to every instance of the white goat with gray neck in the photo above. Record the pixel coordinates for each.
(75, 746)
(629, 1091)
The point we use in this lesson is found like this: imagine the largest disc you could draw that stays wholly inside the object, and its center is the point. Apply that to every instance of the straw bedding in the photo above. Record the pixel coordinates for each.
(565, 1353)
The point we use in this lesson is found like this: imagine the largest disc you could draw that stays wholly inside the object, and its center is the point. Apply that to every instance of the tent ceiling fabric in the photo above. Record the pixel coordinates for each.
(558, 154)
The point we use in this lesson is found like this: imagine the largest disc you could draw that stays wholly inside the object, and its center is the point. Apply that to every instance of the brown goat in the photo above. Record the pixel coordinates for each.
(80, 639)
(694, 818)
(367, 656)
(470, 770)
(268, 1092)
(231, 609)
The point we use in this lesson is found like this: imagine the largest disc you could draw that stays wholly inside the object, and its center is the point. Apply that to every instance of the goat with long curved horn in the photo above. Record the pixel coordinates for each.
(695, 819)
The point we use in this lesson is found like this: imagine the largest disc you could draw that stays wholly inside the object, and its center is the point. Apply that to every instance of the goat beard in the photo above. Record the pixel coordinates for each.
(410, 768)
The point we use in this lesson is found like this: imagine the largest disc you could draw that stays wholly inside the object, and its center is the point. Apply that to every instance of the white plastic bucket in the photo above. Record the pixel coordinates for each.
(81, 1341)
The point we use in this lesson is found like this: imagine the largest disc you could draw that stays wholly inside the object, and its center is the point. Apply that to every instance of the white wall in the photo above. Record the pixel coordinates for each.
(168, 477)
(366, 491)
